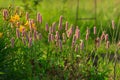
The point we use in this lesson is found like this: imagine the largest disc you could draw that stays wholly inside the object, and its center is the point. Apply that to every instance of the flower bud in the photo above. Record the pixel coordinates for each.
(107, 44)
(97, 42)
(106, 37)
(88, 31)
(64, 37)
(77, 32)
(49, 37)
(5, 14)
(113, 25)
(27, 16)
(54, 26)
(60, 23)
(94, 30)
(60, 45)
(87, 36)
(66, 26)
(81, 45)
(76, 48)
(57, 36)
(103, 35)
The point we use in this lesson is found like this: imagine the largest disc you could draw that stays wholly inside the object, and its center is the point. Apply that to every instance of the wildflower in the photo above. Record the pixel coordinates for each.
(94, 30)
(1, 34)
(60, 45)
(74, 38)
(107, 44)
(81, 45)
(50, 30)
(57, 36)
(15, 18)
(97, 42)
(106, 37)
(49, 37)
(30, 42)
(113, 25)
(87, 36)
(26, 24)
(54, 26)
(66, 26)
(52, 37)
(76, 48)
(70, 31)
(27, 16)
(73, 44)
(77, 33)
(64, 37)
(39, 18)
(17, 33)
(88, 31)
(5, 14)
(60, 23)
(21, 28)
(103, 35)
(12, 42)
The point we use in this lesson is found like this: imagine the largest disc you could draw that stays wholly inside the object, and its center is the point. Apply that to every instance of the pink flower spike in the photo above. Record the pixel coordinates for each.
(66, 26)
(30, 42)
(95, 30)
(46, 27)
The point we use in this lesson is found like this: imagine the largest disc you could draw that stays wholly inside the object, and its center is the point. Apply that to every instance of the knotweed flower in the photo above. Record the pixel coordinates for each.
(70, 31)
(12, 42)
(52, 37)
(50, 30)
(73, 44)
(88, 31)
(97, 42)
(30, 42)
(5, 14)
(103, 35)
(27, 16)
(74, 38)
(17, 33)
(46, 27)
(64, 37)
(60, 45)
(49, 37)
(54, 26)
(87, 36)
(60, 23)
(81, 45)
(39, 18)
(107, 44)
(77, 33)
(57, 36)
(113, 25)
(66, 26)
(106, 37)
(95, 30)
(76, 48)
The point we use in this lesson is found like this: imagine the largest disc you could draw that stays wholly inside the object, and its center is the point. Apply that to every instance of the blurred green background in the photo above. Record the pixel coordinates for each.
(107, 10)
